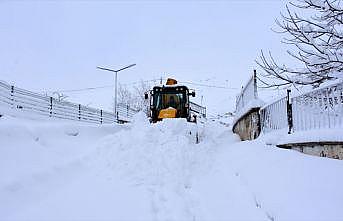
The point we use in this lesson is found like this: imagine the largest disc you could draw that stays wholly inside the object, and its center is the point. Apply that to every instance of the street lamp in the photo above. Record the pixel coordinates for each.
(115, 84)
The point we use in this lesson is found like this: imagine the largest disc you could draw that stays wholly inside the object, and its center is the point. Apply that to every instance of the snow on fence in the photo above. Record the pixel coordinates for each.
(125, 112)
(248, 94)
(274, 116)
(17, 101)
(248, 99)
(321, 108)
(197, 109)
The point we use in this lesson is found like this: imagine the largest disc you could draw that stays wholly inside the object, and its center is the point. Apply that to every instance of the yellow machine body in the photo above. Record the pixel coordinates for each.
(170, 101)
(167, 113)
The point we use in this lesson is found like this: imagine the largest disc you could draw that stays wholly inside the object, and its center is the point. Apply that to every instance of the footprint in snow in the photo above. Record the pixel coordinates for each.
(72, 133)
(14, 187)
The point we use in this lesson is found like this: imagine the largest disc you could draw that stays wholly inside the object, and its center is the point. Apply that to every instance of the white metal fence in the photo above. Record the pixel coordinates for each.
(197, 109)
(248, 94)
(16, 101)
(318, 109)
(125, 112)
(274, 116)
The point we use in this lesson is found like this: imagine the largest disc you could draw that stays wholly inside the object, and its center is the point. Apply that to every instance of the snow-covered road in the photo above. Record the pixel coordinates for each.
(69, 171)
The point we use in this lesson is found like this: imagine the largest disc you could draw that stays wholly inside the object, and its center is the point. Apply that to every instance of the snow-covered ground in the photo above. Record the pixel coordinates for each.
(70, 171)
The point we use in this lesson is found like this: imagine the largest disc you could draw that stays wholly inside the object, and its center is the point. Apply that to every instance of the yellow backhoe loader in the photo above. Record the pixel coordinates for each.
(172, 101)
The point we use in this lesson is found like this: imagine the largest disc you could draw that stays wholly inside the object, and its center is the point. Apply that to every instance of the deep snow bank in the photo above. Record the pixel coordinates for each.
(143, 171)
(285, 184)
(37, 156)
(164, 158)
(31, 146)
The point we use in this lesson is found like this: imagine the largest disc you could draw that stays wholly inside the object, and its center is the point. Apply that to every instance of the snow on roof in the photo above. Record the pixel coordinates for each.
(174, 85)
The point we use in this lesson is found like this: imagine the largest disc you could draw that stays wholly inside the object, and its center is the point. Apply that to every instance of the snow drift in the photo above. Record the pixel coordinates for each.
(143, 171)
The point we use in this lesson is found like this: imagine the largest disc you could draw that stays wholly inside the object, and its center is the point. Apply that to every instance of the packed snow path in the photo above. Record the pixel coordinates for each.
(62, 171)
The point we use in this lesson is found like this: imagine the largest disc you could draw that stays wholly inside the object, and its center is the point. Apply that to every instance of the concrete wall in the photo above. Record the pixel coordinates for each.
(322, 149)
(248, 126)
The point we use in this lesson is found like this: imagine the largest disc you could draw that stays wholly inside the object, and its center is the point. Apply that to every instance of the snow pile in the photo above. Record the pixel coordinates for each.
(285, 184)
(38, 157)
(164, 158)
(32, 147)
(143, 171)
(224, 119)
(323, 135)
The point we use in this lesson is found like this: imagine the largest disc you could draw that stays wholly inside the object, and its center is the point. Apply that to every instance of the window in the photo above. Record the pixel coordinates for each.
(163, 100)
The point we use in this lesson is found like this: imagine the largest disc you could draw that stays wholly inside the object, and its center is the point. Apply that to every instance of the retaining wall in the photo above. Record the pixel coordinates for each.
(248, 126)
(322, 149)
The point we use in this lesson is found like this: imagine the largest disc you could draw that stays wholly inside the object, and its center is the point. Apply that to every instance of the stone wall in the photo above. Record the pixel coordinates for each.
(248, 126)
(322, 149)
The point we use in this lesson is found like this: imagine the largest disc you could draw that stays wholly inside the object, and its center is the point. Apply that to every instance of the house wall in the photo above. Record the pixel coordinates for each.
(248, 126)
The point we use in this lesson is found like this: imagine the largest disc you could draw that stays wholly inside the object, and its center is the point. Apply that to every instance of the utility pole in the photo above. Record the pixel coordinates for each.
(116, 84)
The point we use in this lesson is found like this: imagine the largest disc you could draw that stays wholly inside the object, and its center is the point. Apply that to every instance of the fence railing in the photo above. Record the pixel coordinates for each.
(16, 101)
(197, 109)
(125, 111)
(274, 116)
(318, 109)
(248, 94)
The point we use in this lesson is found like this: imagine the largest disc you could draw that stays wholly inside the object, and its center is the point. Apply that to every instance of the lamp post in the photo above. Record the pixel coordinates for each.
(115, 84)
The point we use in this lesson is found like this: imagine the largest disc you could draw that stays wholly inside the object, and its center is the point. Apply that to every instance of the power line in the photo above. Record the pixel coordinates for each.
(185, 82)
(137, 82)
(206, 85)
(83, 89)
(99, 87)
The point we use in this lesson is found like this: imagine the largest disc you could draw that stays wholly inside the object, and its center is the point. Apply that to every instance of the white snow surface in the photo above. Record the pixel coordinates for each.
(143, 171)
(279, 137)
(254, 103)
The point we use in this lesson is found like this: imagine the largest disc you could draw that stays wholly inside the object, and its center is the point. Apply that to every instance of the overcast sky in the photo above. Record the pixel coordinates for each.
(46, 46)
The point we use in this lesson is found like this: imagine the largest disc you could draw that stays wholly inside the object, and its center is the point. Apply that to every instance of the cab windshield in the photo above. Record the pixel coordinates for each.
(163, 100)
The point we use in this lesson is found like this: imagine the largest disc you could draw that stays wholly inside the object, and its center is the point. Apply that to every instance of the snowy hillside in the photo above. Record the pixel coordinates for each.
(71, 171)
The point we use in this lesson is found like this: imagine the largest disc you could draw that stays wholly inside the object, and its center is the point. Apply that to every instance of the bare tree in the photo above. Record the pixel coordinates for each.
(124, 95)
(318, 40)
(59, 96)
(140, 90)
(134, 98)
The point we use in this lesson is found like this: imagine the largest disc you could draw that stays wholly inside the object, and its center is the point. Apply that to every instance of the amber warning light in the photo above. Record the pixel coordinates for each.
(171, 81)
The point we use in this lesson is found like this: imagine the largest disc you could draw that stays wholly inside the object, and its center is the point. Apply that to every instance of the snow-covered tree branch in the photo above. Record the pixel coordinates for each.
(134, 98)
(318, 40)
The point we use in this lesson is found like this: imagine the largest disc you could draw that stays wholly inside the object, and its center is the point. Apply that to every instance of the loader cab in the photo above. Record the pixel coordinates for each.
(169, 101)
